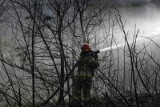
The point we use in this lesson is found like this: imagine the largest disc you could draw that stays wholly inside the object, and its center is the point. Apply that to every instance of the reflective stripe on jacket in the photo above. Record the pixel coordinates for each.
(85, 73)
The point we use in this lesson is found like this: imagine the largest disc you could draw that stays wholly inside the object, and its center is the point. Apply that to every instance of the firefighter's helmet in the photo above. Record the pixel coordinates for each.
(85, 46)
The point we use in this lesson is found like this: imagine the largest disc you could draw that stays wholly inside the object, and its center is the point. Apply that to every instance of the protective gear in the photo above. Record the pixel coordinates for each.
(82, 86)
(85, 46)
(83, 80)
(94, 55)
(87, 64)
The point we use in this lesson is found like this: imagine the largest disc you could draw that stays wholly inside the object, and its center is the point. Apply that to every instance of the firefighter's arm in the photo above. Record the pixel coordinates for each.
(95, 62)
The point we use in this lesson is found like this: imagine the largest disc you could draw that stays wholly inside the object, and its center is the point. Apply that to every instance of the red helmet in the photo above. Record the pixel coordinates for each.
(85, 46)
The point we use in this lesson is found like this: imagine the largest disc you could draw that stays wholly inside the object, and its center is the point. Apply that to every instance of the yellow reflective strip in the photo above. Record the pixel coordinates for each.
(77, 98)
(86, 75)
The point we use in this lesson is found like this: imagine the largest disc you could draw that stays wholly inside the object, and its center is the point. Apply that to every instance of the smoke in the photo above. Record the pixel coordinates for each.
(146, 18)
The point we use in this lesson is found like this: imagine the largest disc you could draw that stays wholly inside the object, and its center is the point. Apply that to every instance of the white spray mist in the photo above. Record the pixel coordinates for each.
(138, 40)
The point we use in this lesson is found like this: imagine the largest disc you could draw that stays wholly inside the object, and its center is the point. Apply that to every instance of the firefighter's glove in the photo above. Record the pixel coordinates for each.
(95, 55)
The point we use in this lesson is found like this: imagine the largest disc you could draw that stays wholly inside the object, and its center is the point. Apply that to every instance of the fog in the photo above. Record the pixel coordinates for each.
(145, 17)
(142, 18)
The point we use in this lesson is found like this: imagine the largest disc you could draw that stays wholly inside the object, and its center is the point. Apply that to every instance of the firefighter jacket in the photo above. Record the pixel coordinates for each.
(87, 64)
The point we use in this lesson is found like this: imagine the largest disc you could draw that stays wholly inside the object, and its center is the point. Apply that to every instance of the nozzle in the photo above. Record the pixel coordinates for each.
(97, 51)
(94, 52)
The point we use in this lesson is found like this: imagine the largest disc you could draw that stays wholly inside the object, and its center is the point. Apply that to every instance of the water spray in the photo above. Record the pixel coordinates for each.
(108, 48)
(121, 45)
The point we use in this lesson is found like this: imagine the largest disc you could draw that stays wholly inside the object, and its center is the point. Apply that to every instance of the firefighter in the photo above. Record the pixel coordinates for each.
(88, 62)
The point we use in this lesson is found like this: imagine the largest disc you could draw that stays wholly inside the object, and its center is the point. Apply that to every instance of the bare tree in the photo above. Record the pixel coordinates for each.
(47, 36)
(42, 52)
